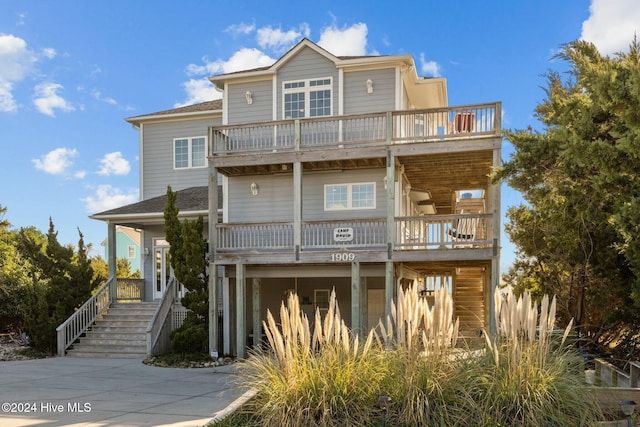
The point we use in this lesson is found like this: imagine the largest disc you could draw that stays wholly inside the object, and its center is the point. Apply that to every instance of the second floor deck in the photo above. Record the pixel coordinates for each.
(369, 130)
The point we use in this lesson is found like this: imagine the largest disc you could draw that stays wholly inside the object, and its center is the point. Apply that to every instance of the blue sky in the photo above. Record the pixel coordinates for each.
(72, 71)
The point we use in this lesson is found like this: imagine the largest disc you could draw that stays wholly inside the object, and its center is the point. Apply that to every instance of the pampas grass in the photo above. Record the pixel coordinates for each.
(529, 376)
(320, 374)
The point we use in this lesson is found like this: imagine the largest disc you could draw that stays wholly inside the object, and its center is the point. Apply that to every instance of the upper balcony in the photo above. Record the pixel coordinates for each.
(358, 131)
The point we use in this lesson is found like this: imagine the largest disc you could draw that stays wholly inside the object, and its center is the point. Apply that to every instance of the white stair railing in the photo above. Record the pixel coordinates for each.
(159, 329)
(85, 316)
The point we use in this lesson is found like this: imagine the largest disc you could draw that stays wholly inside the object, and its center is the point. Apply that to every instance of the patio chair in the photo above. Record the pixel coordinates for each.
(465, 230)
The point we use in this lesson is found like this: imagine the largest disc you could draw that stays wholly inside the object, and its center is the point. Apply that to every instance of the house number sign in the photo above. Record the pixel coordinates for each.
(343, 256)
(343, 234)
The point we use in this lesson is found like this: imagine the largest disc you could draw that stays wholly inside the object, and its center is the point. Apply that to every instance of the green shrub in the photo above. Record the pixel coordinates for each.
(191, 337)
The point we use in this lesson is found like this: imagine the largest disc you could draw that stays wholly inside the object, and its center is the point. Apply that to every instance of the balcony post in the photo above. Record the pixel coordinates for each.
(297, 208)
(213, 269)
(257, 313)
(391, 202)
(356, 327)
(241, 335)
(112, 260)
(495, 235)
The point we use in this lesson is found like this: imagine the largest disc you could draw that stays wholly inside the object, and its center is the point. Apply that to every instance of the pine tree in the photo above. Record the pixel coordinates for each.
(577, 235)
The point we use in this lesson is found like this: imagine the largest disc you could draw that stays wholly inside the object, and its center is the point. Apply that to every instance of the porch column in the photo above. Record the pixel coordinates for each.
(241, 327)
(355, 298)
(297, 208)
(227, 330)
(111, 260)
(391, 203)
(364, 305)
(257, 313)
(213, 310)
(495, 261)
(389, 285)
(213, 268)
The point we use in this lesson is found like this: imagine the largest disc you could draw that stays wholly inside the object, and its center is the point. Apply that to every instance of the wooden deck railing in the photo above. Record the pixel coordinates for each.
(160, 327)
(443, 231)
(129, 290)
(68, 331)
(365, 233)
(255, 236)
(429, 125)
(429, 232)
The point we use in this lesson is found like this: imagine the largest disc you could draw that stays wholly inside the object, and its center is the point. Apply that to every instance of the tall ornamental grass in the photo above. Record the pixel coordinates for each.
(319, 374)
(422, 368)
(529, 376)
(324, 378)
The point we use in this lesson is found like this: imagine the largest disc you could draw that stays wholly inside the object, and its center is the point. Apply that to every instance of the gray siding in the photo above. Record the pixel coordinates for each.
(261, 108)
(307, 64)
(313, 189)
(274, 201)
(157, 157)
(356, 98)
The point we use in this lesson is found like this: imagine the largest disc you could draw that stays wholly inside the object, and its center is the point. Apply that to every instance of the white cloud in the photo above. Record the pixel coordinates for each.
(201, 90)
(56, 162)
(80, 174)
(7, 102)
(198, 90)
(16, 63)
(612, 24)
(47, 99)
(97, 95)
(240, 28)
(429, 68)
(49, 52)
(107, 197)
(114, 164)
(243, 59)
(347, 41)
(280, 41)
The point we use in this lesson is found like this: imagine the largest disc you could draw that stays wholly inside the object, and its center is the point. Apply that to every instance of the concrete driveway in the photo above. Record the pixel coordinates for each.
(68, 391)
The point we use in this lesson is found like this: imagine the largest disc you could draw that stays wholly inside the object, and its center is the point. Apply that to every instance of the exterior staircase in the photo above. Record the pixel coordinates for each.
(119, 333)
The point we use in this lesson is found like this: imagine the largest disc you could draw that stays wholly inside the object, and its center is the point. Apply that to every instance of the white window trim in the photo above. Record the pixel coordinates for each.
(190, 152)
(307, 89)
(131, 251)
(349, 196)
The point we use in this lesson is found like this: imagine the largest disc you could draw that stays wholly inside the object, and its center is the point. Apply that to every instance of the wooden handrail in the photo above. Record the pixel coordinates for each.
(161, 318)
(402, 126)
(69, 330)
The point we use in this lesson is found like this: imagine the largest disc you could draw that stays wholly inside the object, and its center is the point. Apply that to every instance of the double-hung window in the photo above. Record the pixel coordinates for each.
(306, 98)
(349, 196)
(190, 152)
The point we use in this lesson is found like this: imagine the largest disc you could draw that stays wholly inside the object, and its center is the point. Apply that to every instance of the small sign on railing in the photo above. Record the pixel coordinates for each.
(343, 234)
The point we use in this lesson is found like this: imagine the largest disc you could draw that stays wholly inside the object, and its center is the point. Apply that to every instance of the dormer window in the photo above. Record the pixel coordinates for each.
(307, 98)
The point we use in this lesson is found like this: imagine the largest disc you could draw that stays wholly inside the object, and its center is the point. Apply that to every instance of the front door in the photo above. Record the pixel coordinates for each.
(162, 267)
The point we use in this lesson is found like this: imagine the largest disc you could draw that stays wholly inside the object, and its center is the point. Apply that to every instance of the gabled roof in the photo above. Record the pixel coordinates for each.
(194, 201)
(422, 92)
(195, 111)
(340, 61)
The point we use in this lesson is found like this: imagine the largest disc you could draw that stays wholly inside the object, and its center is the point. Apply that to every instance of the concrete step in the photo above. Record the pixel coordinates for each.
(112, 354)
(121, 332)
(121, 322)
(121, 315)
(115, 328)
(119, 348)
(115, 334)
(114, 341)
